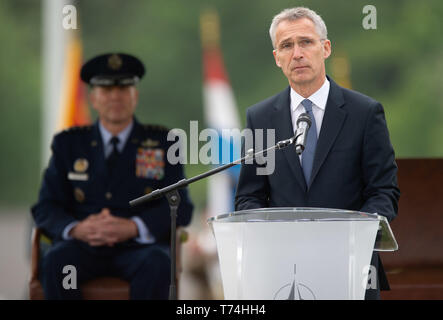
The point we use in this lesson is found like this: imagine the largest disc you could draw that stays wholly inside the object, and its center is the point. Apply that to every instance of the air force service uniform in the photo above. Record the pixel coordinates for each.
(78, 183)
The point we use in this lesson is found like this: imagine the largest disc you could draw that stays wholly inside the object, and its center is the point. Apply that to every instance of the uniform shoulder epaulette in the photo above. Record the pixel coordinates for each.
(78, 129)
(155, 127)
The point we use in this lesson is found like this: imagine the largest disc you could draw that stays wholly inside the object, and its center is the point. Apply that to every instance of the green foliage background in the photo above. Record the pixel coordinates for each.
(400, 64)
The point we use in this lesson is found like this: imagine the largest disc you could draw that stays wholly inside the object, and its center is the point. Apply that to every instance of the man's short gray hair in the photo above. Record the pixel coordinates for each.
(298, 13)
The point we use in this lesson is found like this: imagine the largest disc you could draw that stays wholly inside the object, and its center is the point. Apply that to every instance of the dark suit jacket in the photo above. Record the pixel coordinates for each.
(354, 165)
(71, 192)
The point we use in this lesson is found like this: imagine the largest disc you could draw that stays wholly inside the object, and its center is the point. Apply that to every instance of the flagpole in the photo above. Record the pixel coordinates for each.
(54, 42)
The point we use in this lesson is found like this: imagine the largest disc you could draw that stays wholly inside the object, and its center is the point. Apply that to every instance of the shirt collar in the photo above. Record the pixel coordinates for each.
(319, 98)
(122, 136)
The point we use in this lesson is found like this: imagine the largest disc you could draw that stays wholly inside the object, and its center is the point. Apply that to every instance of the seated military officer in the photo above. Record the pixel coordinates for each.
(93, 173)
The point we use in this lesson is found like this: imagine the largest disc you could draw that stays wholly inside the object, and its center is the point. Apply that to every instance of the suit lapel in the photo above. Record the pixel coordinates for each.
(332, 123)
(281, 120)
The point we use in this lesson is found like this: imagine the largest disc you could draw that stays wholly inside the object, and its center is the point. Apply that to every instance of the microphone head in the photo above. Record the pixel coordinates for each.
(304, 117)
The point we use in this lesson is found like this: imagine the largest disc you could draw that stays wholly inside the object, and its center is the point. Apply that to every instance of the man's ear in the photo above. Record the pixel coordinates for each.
(327, 49)
(277, 62)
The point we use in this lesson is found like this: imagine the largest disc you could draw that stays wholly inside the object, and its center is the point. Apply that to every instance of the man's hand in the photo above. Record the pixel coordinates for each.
(104, 229)
(86, 230)
(115, 229)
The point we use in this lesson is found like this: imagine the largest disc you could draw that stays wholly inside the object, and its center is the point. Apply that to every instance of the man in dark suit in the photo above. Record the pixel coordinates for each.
(348, 162)
(93, 173)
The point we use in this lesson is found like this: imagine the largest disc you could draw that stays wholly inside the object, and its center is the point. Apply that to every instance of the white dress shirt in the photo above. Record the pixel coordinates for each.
(318, 99)
(107, 136)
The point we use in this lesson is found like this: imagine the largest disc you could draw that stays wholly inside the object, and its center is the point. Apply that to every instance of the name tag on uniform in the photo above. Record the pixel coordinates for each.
(78, 176)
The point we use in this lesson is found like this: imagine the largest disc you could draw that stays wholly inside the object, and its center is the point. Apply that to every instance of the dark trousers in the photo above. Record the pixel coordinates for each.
(373, 294)
(145, 267)
(381, 282)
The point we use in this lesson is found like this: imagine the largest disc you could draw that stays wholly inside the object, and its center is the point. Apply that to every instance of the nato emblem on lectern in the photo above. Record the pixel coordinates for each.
(294, 290)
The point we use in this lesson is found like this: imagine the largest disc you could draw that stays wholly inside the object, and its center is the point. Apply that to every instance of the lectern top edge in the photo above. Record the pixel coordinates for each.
(293, 214)
(385, 240)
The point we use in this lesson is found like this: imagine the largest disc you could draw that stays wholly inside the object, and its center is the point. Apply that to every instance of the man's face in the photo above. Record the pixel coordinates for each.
(116, 104)
(300, 52)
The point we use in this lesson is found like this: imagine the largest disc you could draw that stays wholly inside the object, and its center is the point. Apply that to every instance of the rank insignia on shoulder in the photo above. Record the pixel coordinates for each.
(150, 163)
(149, 143)
(78, 129)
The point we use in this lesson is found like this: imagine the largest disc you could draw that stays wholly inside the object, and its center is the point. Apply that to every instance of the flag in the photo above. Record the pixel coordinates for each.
(74, 109)
(221, 113)
(63, 95)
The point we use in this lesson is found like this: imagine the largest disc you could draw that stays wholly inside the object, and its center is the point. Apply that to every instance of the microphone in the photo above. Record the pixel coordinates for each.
(303, 124)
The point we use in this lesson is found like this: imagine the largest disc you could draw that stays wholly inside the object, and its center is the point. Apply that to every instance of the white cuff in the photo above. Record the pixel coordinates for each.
(144, 236)
(68, 228)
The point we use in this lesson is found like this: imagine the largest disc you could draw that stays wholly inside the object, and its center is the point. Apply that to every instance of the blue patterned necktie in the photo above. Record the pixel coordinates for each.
(311, 143)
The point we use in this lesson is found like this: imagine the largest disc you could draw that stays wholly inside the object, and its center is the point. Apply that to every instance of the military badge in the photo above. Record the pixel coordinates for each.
(150, 163)
(81, 165)
(79, 195)
(115, 62)
(149, 143)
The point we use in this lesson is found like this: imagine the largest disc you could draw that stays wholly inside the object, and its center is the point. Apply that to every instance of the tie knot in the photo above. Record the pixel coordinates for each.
(115, 141)
(307, 104)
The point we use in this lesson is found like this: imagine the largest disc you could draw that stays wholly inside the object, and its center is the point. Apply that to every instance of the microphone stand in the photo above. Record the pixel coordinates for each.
(173, 197)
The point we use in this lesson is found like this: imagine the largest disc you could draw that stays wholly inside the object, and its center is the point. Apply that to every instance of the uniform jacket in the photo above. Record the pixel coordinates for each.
(77, 184)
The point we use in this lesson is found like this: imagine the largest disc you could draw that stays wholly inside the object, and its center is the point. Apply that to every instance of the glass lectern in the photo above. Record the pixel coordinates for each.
(299, 253)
